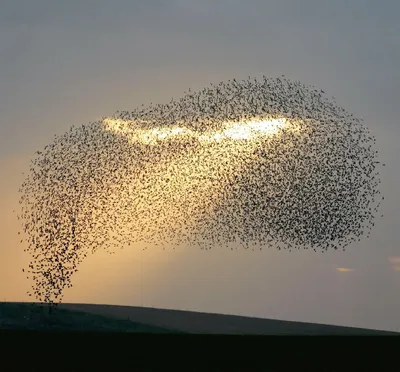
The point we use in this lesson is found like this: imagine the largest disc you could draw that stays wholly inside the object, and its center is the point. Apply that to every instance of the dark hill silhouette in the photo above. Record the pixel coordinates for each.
(152, 320)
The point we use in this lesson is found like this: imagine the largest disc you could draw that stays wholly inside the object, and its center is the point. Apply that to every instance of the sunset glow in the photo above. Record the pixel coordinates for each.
(344, 269)
(243, 130)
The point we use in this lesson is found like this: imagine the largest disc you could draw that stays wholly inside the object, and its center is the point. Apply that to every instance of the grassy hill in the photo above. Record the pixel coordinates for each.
(26, 316)
(90, 317)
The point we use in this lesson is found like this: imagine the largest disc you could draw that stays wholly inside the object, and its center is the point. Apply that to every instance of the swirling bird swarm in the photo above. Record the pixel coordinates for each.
(250, 163)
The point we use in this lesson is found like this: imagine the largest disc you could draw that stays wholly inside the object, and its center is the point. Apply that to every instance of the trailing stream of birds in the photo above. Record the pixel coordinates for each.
(246, 164)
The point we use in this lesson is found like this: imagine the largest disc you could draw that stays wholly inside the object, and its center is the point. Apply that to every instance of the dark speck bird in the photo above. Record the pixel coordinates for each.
(252, 163)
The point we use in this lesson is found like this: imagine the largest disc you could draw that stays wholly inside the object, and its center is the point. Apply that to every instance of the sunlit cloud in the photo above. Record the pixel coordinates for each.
(344, 269)
(396, 268)
(394, 260)
(244, 130)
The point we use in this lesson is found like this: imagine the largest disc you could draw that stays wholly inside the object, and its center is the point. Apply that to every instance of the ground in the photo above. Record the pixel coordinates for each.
(90, 317)
(28, 316)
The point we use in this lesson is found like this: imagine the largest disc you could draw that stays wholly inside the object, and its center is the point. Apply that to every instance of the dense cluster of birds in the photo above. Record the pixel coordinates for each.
(252, 163)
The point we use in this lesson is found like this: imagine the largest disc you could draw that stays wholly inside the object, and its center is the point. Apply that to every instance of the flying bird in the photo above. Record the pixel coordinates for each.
(251, 163)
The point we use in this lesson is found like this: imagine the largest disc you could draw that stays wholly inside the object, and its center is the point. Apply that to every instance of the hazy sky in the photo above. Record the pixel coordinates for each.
(67, 63)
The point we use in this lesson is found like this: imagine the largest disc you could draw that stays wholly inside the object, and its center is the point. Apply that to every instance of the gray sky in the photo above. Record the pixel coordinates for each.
(67, 63)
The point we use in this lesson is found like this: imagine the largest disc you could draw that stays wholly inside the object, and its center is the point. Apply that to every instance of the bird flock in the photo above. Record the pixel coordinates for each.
(254, 163)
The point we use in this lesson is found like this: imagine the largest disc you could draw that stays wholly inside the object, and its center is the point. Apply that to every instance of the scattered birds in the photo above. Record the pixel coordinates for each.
(258, 162)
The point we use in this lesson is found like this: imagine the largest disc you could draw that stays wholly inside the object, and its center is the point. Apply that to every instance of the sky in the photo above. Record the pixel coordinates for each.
(69, 63)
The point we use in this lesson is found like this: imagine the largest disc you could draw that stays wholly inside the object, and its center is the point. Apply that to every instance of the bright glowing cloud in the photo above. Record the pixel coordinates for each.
(344, 269)
(242, 130)
(394, 260)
